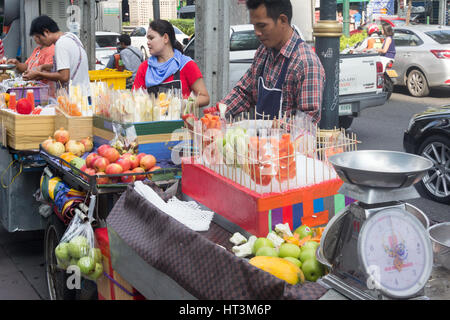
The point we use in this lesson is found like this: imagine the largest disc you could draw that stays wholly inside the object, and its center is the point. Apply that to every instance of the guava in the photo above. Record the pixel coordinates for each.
(98, 271)
(312, 269)
(267, 252)
(261, 242)
(79, 247)
(289, 250)
(297, 262)
(304, 231)
(86, 265)
(96, 254)
(310, 244)
(62, 252)
(307, 254)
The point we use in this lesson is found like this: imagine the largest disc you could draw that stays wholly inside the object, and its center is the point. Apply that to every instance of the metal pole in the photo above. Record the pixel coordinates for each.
(156, 10)
(328, 32)
(346, 17)
(212, 45)
(87, 31)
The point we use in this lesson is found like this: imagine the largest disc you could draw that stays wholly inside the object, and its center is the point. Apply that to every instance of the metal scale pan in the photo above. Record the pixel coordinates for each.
(379, 180)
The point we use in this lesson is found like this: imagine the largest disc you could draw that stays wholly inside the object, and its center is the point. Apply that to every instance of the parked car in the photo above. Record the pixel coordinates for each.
(105, 45)
(428, 135)
(422, 60)
(139, 38)
(394, 21)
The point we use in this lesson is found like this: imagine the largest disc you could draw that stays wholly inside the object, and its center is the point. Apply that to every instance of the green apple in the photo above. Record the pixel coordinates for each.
(73, 262)
(262, 242)
(79, 247)
(96, 254)
(304, 231)
(86, 265)
(62, 252)
(312, 269)
(98, 271)
(310, 244)
(307, 254)
(297, 262)
(267, 251)
(289, 250)
(63, 264)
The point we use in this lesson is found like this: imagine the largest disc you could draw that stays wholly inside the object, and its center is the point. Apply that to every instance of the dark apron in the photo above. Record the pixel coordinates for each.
(166, 86)
(270, 100)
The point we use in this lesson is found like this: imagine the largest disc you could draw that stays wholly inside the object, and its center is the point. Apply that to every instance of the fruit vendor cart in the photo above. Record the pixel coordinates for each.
(90, 192)
(162, 257)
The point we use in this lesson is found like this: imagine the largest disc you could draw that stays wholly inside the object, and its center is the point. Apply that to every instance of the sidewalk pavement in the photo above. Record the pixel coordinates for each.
(22, 266)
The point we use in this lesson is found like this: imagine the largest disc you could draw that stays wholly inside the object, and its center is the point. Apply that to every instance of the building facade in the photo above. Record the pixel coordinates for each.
(141, 11)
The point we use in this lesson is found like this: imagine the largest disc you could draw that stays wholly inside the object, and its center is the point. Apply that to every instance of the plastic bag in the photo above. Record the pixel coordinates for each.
(125, 139)
(77, 248)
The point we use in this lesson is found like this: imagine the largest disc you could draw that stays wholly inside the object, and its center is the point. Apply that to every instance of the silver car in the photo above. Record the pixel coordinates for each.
(422, 60)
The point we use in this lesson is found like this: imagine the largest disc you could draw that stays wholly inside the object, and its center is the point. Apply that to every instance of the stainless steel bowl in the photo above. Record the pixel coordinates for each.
(380, 168)
(418, 214)
(440, 239)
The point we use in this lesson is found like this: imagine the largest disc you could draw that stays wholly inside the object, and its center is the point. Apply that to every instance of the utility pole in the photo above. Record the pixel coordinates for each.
(212, 45)
(156, 10)
(346, 17)
(328, 32)
(87, 30)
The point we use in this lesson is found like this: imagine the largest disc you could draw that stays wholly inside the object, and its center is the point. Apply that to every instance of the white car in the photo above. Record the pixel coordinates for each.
(139, 38)
(105, 46)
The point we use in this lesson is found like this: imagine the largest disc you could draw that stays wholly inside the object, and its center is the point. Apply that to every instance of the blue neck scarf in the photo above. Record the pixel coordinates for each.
(158, 72)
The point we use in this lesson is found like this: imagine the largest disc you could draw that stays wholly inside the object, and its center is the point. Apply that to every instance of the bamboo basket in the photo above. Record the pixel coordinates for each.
(78, 127)
(26, 132)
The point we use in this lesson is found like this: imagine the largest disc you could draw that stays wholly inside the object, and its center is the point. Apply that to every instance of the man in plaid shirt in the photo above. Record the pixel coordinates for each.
(282, 54)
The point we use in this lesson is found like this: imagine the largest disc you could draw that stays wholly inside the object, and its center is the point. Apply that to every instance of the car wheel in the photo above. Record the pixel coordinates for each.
(436, 182)
(144, 53)
(345, 121)
(417, 84)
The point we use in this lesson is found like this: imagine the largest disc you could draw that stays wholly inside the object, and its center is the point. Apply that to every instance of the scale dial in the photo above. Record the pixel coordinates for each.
(395, 252)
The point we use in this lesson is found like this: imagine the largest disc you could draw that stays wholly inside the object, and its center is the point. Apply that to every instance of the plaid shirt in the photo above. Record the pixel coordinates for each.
(303, 85)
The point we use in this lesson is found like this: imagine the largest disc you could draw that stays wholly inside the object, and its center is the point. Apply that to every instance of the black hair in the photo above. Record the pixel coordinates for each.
(125, 39)
(42, 23)
(274, 8)
(163, 27)
(388, 31)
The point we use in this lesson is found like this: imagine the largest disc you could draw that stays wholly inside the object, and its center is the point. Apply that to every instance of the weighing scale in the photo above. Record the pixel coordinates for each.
(378, 246)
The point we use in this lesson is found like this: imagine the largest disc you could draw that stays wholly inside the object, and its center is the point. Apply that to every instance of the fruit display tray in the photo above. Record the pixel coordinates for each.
(71, 174)
(156, 138)
(256, 213)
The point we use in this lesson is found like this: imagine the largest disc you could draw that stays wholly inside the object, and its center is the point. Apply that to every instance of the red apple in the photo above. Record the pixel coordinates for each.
(100, 164)
(102, 180)
(124, 163)
(147, 162)
(137, 170)
(88, 171)
(111, 154)
(151, 170)
(140, 155)
(127, 179)
(134, 161)
(114, 168)
(102, 149)
(90, 159)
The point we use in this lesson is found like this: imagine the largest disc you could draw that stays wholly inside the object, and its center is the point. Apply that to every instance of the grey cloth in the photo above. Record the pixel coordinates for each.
(132, 59)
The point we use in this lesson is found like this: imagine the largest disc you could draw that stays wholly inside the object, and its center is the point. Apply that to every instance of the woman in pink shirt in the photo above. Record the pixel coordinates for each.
(40, 59)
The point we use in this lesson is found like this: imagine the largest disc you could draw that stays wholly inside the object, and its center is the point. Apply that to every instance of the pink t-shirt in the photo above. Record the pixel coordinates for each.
(40, 56)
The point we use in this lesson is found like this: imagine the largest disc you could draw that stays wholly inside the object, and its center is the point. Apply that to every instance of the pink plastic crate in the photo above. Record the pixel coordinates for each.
(40, 93)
